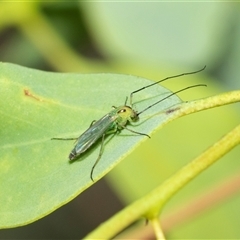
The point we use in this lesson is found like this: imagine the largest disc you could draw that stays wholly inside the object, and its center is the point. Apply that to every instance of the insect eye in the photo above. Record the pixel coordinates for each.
(122, 110)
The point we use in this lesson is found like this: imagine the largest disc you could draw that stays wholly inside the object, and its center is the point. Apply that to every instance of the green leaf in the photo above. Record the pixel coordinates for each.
(35, 174)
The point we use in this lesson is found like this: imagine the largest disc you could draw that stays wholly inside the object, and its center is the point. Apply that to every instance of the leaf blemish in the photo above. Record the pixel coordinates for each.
(172, 110)
(29, 94)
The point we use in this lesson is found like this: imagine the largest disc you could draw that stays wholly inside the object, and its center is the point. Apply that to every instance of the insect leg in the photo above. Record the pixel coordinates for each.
(92, 123)
(139, 133)
(99, 156)
(72, 138)
(64, 138)
(114, 130)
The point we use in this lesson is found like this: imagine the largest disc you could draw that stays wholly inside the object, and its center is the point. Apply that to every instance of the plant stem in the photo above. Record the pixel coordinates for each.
(157, 228)
(208, 103)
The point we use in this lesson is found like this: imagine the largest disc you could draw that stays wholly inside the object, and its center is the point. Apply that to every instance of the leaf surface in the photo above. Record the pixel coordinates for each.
(35, 175)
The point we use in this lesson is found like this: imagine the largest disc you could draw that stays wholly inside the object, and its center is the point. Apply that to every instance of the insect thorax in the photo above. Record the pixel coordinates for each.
(125, 114)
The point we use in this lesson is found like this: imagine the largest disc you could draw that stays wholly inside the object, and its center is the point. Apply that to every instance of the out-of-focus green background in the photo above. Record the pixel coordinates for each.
(152, 40)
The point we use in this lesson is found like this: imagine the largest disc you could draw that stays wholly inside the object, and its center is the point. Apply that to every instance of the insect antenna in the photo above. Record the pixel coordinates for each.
(162, 80)
(126, 101)
(171, 94)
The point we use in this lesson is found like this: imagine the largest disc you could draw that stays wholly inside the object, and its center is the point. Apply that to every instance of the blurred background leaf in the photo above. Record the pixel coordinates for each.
(152, 40)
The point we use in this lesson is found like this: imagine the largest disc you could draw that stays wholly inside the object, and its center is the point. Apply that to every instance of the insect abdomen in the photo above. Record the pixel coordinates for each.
(72, 155)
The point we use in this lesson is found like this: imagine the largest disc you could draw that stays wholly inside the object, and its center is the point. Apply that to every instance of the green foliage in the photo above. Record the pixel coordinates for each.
(36, 177)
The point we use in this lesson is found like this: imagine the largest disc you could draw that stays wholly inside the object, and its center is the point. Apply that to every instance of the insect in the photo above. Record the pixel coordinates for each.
(115, 121)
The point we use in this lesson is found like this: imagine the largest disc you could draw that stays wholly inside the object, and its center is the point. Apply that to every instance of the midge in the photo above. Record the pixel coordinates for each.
(115, 121)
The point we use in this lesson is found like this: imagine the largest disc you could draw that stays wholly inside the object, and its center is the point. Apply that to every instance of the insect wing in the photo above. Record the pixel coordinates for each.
(93, 133)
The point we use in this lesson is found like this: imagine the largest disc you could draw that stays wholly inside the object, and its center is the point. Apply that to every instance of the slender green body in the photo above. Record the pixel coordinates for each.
(112, 122)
